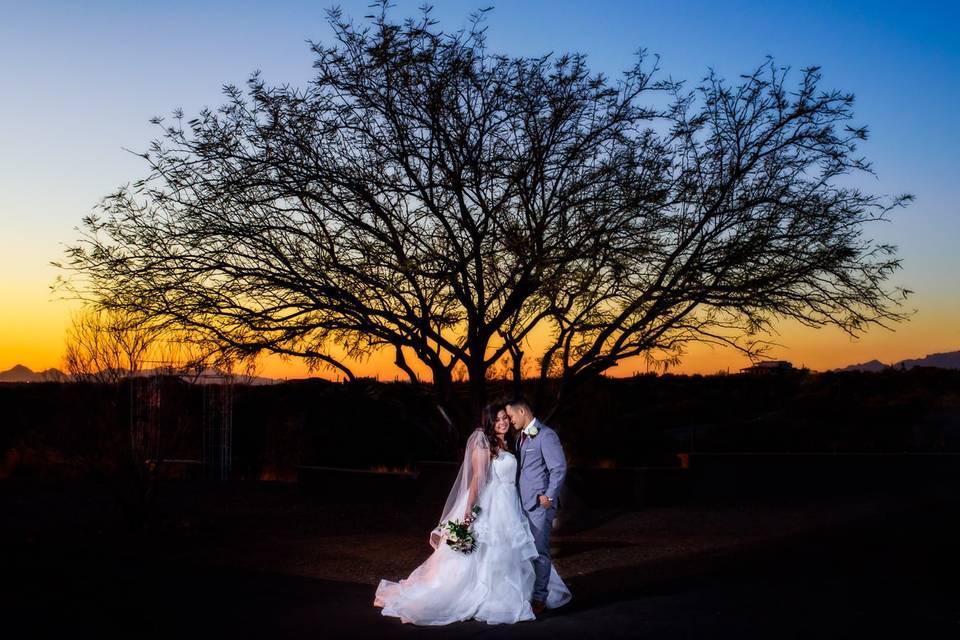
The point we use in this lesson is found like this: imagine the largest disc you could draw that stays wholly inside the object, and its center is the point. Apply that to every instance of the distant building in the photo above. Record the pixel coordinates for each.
(769, 366)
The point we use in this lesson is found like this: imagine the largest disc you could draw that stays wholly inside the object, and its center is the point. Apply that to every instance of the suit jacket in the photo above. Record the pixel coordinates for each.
(542, 467)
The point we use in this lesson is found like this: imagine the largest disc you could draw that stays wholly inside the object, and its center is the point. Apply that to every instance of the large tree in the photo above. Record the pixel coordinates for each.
(425, 195)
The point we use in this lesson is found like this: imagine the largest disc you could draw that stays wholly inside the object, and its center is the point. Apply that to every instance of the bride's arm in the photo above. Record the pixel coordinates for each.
(479, 461)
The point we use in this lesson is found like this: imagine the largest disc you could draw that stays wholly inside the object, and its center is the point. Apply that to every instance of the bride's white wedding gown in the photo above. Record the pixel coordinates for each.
(494, 583)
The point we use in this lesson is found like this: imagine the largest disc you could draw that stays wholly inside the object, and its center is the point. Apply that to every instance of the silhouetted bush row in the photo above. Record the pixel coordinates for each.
(76, 429)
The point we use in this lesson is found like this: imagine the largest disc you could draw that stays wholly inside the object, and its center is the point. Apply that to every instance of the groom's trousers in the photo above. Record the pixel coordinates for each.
(541, 523)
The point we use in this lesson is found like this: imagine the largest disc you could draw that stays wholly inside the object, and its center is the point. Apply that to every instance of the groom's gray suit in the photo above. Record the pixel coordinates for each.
(541, 471)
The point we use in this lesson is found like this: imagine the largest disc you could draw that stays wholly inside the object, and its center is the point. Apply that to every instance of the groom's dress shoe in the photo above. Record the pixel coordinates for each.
(538, 607)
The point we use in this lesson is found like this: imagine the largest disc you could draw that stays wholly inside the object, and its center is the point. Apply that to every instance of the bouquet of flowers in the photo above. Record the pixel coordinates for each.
(458, 534)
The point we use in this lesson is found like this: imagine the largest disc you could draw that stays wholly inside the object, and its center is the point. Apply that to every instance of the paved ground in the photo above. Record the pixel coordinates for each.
(873, 571)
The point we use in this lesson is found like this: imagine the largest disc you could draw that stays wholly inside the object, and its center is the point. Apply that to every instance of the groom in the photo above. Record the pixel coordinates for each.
(540, 477)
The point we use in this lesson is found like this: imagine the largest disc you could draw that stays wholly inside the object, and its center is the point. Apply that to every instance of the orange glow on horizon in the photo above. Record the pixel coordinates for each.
(32, 334)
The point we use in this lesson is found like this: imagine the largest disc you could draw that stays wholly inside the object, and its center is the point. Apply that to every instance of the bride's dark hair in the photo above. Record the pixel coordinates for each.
(487, 419)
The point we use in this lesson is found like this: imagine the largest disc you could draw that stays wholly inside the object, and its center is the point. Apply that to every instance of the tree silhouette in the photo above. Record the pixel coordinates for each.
(106, 346)
(109, 344)
(459, 207)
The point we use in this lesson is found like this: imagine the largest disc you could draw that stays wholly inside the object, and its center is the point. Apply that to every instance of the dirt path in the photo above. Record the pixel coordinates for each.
(275, 566)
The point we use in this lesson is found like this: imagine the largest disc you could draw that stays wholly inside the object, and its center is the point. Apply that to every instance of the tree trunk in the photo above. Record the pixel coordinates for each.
(478, 389)
(450, 407)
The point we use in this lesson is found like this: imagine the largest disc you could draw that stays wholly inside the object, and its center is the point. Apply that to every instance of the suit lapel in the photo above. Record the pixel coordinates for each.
(522, 441)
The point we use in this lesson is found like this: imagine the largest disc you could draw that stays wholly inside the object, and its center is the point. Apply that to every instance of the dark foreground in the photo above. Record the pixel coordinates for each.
(873, 566)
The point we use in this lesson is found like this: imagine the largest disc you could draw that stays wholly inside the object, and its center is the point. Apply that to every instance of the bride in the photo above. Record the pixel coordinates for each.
(494, 582)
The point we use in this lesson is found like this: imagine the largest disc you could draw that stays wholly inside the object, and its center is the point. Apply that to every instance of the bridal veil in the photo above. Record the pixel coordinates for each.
(473, 476)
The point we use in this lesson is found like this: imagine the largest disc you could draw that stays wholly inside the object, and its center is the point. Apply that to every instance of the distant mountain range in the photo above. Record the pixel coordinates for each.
(20, 373)
(950, 360)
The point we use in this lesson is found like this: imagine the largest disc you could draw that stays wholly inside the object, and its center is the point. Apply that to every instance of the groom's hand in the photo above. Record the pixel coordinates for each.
(545, 502)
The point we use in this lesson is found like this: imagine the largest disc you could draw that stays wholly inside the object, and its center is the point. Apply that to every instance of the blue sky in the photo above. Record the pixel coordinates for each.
(83, 79)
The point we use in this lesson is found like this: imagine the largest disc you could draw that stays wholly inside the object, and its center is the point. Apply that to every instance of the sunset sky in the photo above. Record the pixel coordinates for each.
(83, 79)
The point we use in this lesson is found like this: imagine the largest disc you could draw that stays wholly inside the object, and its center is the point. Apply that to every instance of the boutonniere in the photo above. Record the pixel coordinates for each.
(531, 430)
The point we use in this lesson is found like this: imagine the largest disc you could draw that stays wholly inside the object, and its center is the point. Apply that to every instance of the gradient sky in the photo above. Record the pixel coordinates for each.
(83, 79)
